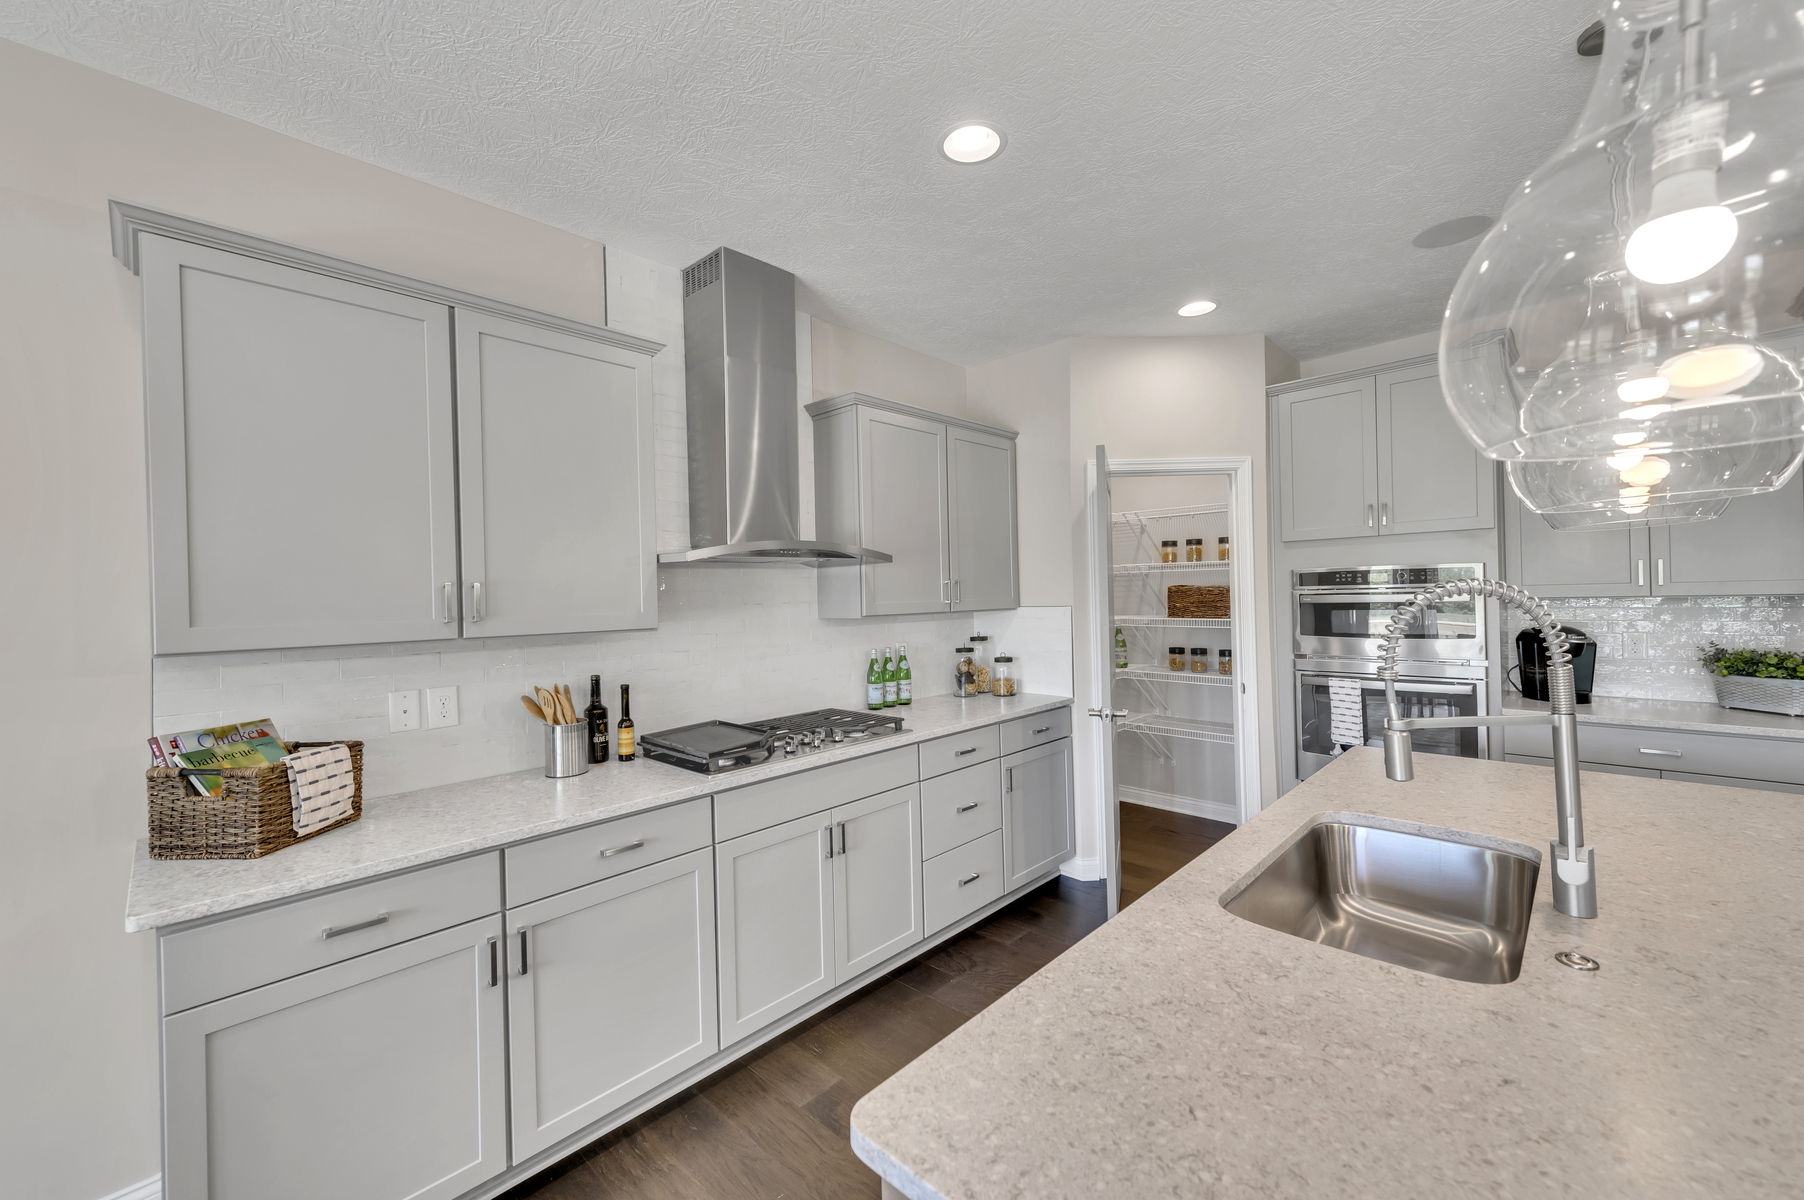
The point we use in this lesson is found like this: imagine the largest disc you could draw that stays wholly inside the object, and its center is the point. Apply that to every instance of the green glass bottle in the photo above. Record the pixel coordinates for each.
(1120, 650)
(890, 678)
(905, 688)
(873, 682)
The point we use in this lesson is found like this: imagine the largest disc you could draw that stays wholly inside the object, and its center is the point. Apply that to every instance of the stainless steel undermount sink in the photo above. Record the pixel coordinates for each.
(1428, 903)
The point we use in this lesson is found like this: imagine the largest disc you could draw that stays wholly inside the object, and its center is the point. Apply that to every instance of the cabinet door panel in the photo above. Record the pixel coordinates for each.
(381, 1077)
(1038, 829)
(981, 512)
(618, 995)
(555, 462)
(902, 489)
(775, 903)
(877, 880)
(1429, 476)
(1757, 548)
(287, 407)
(1550, 562)
(1328, 461)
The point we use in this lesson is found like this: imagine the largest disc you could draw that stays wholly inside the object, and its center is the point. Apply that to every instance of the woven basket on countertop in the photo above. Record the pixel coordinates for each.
(1208, 603)
(252, 816)
(1784, 696)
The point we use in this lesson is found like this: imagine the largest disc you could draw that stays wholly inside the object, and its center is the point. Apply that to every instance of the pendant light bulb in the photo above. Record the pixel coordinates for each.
(1640, 391)
(1681, 246)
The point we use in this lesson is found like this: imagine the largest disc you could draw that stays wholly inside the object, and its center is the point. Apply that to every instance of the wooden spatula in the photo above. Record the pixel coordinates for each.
(533, 708)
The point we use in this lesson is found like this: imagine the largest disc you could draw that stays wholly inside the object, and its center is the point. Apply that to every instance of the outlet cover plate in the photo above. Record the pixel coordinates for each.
(441, 707)
(403, 711)
(1634, 645)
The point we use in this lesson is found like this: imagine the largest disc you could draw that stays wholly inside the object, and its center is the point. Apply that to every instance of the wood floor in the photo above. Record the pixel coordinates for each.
(775, 1124)
(1155, 843)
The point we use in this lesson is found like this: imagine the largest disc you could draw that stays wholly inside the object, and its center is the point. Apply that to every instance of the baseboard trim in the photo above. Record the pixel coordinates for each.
(149, 1189)
(1089, 870)
(1213, 810)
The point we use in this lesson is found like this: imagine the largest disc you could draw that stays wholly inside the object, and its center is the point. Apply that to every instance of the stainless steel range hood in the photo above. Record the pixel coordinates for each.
(739, 353)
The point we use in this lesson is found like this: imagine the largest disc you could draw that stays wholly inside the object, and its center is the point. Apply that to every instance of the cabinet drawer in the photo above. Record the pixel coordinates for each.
(960, 750)
(1778, 759)
(239, 953)
(749, 809)
(959, 882)
(1036, 730)
(566, 860)
(960, 806)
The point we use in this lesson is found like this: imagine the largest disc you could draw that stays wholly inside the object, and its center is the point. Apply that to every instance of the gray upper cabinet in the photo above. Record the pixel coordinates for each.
(1756, 547)
(1372, 455)
(1549, 562)
(307, 408)
(611, 991)
(286, 408)
(1430, 477)
(1328, 461)
(382, 1077)
(555, 481)
(934, 493)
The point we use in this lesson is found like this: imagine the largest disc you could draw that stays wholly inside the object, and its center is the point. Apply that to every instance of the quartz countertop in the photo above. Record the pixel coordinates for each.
(1692, 715)
(415, 828)
(1179, 1051)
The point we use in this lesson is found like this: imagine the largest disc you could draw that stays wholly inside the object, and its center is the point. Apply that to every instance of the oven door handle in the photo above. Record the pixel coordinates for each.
(1403, 685)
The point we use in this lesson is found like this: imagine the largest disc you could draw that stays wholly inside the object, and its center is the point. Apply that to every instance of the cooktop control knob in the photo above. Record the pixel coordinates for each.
(820, 737)
(839, 735)
(790, 744)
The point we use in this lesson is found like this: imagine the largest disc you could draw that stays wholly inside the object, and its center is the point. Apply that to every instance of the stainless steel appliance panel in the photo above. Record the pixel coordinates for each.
(1418, 698)
(1342, 613)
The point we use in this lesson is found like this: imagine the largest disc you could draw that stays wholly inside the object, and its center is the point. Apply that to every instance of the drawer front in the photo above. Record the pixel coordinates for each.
(1036, 730)
(749, 809)
(959, 882)
(961, 750)
(566, 860)
(1780, 760)
(238, 953)
(962, 805)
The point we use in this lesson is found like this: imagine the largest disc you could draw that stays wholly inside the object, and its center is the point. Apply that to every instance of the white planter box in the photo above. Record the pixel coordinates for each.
(1761, 695)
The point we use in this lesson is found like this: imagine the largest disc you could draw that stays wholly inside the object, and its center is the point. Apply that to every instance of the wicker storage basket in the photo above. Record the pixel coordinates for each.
(1184, 600)
(252, 816)
(1761, 695)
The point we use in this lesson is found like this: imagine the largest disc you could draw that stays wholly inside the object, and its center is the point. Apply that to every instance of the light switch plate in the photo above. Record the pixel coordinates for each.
(441, 707)
(403, 711)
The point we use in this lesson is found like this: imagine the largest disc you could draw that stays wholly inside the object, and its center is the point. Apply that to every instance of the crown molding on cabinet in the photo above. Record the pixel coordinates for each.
(1420, 360)
(821, 408)
(129, 220)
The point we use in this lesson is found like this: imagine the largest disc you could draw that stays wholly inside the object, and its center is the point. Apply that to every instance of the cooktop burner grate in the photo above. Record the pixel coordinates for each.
(714, 746)
(858, 724)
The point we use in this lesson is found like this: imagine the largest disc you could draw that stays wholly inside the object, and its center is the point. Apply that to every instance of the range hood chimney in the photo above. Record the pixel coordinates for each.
(739, 353)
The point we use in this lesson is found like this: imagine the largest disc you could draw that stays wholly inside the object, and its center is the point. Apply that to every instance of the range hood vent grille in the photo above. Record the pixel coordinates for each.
(700, 275)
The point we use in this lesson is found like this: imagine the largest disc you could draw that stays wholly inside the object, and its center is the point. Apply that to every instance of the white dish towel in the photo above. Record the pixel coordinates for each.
(1346, 713)
(321, 785)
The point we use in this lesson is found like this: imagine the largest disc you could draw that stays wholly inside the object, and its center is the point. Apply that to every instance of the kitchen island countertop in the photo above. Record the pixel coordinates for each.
(415, 828)
(1179, 1051)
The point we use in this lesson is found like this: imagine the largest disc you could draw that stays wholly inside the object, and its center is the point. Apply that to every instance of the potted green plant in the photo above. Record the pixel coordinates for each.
(1761, 680)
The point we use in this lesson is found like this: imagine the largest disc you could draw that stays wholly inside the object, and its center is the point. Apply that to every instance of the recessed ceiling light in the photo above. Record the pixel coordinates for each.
(1197, 308)
(1451, 233)
(973, 142)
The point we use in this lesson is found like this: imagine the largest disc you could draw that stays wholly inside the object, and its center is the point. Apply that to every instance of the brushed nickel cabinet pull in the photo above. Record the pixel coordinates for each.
(1384, 513)
(523, 963)
(450, 600)
(1665, 753)
(477, 612)
(967, 807)
(1008, 780)
(332, 931)
(611, 851)
(494, 962)
(1368, 516)
(828, 830)
(1041, 729)
(969, 878)
(842, 838)
(1641, 572)
(965, 751)
(1660, 571)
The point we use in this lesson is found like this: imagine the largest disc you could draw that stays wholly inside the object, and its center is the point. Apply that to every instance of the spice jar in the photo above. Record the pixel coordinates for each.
(964, 672)
(980, 658)
(1168, 551)
(1002, 670)
(1178, 661)
(1199, 658)
(1227, 662)
(1221, 549)
(1193, 549)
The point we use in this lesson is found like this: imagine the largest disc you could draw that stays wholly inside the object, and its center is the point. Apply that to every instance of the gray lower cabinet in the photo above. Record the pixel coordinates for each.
(611, 991)
(876, 880)
(774, 900)
(1038, 831)
(1762, 763)
(381, 1077)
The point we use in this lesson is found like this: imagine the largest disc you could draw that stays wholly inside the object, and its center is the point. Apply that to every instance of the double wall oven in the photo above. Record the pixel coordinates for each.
(1339, 616)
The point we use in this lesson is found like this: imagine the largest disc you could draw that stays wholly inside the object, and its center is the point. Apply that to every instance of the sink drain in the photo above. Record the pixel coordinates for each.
(1575, 960)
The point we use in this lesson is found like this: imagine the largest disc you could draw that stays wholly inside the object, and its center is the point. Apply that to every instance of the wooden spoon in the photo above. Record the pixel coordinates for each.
(569, 704)
(548, 703)
(533, 708)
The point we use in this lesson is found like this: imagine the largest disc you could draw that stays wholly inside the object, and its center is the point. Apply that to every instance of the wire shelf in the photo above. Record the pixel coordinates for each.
(1177, 622)
(1150, 568)
(1135, 516)
(1160, 725)
(1209, 678)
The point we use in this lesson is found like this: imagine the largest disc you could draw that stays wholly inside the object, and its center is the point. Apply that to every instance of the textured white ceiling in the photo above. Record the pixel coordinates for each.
(1276, 156)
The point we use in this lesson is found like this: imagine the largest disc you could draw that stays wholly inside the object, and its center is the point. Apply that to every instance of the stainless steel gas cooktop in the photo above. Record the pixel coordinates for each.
(715, 746)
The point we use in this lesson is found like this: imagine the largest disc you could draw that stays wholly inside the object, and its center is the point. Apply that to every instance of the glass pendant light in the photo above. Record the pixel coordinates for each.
(1645, 287)
(1653, 484)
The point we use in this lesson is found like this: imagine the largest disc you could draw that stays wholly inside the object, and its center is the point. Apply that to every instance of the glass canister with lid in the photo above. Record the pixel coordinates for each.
(980, 657)
(1199, 658)
(1168, 551)
(1221, 549)
(1227, 662)
(1177, 661)
(1193, 550)
(964, 672)
(1002, 675)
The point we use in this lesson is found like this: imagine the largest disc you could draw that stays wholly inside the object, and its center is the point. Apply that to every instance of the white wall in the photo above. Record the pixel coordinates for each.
(1031, 392)
(1412, 346)
(845, 360)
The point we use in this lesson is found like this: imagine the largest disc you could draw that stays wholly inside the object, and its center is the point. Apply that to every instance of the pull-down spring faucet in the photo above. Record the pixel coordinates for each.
(1574, 866)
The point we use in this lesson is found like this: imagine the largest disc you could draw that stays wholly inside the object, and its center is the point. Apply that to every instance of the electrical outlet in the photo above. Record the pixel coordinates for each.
(1634, 645)
(403, 711)
(441, 707)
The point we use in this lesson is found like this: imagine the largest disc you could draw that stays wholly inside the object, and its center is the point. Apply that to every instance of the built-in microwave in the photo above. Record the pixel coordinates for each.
(1342, 613)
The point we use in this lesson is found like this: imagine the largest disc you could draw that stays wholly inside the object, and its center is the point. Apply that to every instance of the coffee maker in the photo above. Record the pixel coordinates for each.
(1531, 659)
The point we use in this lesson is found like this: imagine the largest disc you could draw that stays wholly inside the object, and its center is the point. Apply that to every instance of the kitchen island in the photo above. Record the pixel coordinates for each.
(1180, 1051)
